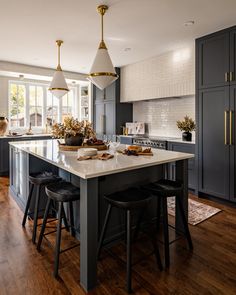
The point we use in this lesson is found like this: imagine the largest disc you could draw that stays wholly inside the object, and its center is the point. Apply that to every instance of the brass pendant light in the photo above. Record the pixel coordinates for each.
(58, 86)
(102, 72)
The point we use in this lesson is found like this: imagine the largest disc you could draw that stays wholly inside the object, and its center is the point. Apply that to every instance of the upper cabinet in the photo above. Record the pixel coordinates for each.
(169, 75)
(216, 59)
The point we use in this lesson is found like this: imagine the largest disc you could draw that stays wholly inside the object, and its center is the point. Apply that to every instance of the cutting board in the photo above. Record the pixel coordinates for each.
(99, 147)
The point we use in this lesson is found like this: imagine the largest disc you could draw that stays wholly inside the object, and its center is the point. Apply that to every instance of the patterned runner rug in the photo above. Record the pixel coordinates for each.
(197, 212)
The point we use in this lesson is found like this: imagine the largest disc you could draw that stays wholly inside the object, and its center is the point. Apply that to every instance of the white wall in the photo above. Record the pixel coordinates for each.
(4, 96)
(168, 75)
(161, 114)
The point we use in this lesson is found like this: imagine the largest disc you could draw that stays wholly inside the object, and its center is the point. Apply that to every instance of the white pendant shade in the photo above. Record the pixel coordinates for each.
(102, 73)
(58, 86)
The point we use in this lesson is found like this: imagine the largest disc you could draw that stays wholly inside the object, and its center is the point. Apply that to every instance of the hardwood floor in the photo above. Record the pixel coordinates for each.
(209, 269)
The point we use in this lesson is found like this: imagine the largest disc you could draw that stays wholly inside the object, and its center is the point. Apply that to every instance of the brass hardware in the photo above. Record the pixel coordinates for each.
(230, 128)
(226, 127)
(102, 10)
(103, 74)
(66, 89)
(59, 43)
(102, 45)
(231, 76)
(226, 77)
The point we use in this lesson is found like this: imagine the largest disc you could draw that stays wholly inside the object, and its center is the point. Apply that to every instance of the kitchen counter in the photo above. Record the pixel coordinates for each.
(48, 150)
(95, 179)
(26, 136)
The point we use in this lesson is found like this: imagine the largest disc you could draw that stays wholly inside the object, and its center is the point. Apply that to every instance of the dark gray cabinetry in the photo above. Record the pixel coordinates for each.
(214, 141)
(4, 150)
(215, 113)
(109, 113)
(184, 148)
(214, 56)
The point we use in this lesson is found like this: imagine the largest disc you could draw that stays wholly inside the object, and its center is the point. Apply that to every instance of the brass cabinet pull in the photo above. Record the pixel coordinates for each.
(231, 76)
(226, 77)
(226, 142)
(230, 128)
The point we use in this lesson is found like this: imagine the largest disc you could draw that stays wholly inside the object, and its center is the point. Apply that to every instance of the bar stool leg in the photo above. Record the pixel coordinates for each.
(158, 213)
(49, 202)
(185, 223)
(104, 228)
(72, 226)
(58, 240)
(36, 208)
(129, 258)
(28, 204)
(166, 232)
(65, 219)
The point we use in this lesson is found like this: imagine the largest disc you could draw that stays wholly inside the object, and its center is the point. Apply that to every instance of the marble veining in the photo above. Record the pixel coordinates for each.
(48, 150)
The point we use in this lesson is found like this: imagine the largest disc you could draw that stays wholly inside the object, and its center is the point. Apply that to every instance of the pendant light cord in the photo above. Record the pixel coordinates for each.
(59, 42)
(102, 27)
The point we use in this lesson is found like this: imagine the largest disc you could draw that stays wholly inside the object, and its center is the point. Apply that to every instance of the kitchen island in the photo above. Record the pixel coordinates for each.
(95, 178)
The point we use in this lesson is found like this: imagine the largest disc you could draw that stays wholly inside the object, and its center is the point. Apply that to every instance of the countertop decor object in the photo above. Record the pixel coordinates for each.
(102, 72)
(187, 125)
(3, 125)
(73, 131)
(58, 86)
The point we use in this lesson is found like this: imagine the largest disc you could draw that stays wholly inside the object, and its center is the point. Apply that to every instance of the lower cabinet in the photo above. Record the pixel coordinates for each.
(126, 140)
(4, 150)
(184, 148)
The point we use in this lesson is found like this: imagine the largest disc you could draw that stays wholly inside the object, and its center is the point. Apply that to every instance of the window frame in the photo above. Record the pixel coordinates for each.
(45, 86)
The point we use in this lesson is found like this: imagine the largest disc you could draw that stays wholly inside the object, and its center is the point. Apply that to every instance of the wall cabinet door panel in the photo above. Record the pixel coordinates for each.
(213, 142)
(233, 56)
(213, 60)
(233, 144)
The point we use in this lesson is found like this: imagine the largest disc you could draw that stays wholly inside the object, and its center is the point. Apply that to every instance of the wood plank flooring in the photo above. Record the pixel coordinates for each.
(209, 269)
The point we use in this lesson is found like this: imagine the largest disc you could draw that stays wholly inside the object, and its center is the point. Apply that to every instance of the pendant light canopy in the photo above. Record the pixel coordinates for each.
(58, 86)
(102, 73)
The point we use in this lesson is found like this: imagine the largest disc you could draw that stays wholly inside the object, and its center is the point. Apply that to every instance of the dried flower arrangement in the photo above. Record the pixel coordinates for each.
(187, 125)
(73, 127)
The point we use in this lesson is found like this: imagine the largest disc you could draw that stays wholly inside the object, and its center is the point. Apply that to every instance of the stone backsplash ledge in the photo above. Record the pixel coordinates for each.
(161, 114)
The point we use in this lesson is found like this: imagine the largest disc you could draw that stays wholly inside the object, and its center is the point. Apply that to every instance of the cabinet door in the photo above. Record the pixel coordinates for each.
(110, 92)
(213, 60)
(100, 94)
(233, 57)
(213, 142)
(99, 118)
(110, 117)
(233, 143)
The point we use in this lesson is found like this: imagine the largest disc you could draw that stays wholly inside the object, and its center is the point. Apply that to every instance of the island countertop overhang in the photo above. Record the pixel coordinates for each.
(48, 150)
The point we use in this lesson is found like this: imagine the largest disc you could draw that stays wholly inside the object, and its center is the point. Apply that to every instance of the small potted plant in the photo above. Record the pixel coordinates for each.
(187, 125)
(73, 131)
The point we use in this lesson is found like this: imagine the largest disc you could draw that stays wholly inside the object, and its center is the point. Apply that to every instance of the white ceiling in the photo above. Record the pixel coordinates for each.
(28, 29)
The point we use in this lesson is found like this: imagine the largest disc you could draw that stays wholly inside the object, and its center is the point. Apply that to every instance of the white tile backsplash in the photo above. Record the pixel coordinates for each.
(161, 114)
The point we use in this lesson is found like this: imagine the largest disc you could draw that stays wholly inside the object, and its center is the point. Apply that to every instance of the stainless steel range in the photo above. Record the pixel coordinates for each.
(154, 142)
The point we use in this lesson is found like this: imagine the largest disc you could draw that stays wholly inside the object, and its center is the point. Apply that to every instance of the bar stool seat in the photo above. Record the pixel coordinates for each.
(61, 192)
(163, 189)
(129, 200)
(37, 180)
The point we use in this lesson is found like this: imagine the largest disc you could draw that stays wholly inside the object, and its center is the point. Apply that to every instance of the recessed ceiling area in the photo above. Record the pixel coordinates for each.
(29, 29)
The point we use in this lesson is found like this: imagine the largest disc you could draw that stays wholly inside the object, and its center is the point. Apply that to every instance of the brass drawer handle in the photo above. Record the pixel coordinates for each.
(230, 128)
(226, 142)
(231, 76)
(226, 77)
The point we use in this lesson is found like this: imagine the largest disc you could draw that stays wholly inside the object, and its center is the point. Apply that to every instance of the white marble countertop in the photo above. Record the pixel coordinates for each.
(48, 150)
(25, 135)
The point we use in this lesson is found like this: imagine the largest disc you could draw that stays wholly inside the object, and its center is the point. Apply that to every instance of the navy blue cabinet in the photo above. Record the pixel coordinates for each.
(4, 150)
(108, 113)
(215, 113)
(184, 148)
(126, 140)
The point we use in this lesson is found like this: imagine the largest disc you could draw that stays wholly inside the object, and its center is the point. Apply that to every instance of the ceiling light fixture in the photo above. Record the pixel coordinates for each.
(58, 86)
(102, 72)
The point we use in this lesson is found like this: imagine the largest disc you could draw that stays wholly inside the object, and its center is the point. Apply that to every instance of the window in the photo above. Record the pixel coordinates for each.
(34, 103)
(17, 105)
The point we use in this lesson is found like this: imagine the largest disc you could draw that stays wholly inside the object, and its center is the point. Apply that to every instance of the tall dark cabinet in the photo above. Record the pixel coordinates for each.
(108, 113)
(215, 113)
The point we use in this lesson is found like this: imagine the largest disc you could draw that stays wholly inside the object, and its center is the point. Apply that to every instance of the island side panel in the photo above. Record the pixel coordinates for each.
(182, 176)
(88, 232)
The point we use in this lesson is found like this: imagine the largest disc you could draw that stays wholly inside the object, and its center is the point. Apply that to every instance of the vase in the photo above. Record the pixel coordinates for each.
(3, 125)
(187, 136)
(76, 140)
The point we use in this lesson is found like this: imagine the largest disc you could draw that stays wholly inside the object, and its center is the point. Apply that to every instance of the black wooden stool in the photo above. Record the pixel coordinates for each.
(37, 180)
(128, 200)
(163, 189)
(61, 192)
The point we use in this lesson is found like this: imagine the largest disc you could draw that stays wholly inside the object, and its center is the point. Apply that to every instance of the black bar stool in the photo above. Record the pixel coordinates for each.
(128, 200)
(37, 180)
(163, 189)
(62, 192)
